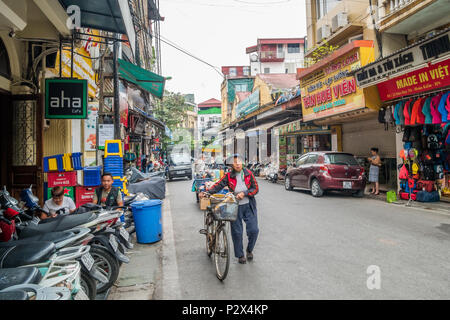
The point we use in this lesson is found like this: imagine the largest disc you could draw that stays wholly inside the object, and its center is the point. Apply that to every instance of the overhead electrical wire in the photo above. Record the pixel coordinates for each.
(177, 47)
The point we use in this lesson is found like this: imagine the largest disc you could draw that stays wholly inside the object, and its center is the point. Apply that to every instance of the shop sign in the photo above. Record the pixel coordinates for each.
(90, 127)
(335, 91)
(299, 126)
(135, 138)
(105, 132)
(66, 98)
(250, 104)
(426, 79)
(408, 59)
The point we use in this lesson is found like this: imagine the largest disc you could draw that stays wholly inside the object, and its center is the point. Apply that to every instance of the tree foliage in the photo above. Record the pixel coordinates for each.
(171, 109)
(320, 52)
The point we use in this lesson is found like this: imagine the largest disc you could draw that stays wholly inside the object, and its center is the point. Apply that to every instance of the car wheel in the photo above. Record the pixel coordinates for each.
(287, 184)
(316, 189)
(359, 193)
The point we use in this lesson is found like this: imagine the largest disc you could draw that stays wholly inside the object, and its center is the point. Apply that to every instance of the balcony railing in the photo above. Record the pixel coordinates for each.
(271, 56)
(395, 5)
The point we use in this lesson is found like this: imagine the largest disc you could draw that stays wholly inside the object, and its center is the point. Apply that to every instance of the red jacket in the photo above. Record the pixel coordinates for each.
(229, 180)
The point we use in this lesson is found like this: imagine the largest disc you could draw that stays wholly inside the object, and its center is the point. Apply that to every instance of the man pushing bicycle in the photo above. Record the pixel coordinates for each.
(243, 184)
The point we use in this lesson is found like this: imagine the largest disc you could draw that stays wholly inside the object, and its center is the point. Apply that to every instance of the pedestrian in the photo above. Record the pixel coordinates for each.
(107, 194)
(144, 163)
(150, 166)
(58, 203)
(243, 184)
(374, 171)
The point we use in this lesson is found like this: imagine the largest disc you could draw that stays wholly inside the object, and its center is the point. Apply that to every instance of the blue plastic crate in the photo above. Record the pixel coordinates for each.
(51, 167)
(76, 161)
(92, 176)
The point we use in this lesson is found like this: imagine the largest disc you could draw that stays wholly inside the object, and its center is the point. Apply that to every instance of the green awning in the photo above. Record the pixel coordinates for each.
(144, 79)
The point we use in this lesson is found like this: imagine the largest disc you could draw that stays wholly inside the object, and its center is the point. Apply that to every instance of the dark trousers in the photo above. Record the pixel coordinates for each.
(251, 226)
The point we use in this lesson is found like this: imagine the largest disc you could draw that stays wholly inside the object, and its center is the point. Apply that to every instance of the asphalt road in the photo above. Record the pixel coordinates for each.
(318, 248)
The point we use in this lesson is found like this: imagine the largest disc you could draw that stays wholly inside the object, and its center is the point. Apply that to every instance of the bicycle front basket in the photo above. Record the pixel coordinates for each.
(226, 211)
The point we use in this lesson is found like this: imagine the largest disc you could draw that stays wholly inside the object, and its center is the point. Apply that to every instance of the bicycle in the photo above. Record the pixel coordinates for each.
(225, 210)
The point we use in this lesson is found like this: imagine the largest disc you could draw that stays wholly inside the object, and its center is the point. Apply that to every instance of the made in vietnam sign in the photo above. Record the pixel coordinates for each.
(332, 90)
(407, 60)
(426, 79)
(66, 98)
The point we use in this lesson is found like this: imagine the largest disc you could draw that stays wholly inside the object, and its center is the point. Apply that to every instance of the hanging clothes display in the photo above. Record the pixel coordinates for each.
(425, 172)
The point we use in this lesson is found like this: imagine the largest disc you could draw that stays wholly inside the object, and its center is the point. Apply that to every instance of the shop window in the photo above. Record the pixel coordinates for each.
(5, 69)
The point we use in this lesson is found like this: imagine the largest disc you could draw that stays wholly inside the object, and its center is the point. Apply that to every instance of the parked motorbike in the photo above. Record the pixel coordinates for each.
(104, 243)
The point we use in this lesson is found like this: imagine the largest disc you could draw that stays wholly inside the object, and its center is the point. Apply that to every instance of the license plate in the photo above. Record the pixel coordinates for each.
(81, 295)
(124, 233)
(180, 172)
(113, 242)
(87, 260)
(347, 184)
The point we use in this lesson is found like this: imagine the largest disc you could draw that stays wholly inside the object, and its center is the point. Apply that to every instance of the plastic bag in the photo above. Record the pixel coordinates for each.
(391, 196)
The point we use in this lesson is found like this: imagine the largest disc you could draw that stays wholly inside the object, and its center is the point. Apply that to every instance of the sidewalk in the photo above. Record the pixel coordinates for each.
(442, 207)
(137, 279)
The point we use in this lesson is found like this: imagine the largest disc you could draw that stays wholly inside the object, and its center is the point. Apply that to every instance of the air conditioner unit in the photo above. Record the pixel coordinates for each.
(339, 21)
(323, 32)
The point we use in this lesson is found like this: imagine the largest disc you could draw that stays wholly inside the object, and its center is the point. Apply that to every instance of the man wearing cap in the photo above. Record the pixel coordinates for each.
(243, 184)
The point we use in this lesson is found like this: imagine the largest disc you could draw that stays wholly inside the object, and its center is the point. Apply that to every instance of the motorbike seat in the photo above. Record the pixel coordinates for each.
(128, 200)
(13, 276)
(60, 224)
(54, 237)
(14, 295)
(13, 255)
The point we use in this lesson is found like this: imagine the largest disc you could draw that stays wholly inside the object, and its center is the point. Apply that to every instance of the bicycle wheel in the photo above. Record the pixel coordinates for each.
(209, 227)
(221, 253)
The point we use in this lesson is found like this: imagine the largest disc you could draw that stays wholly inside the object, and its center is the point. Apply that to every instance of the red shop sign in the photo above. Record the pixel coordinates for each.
(426, 79)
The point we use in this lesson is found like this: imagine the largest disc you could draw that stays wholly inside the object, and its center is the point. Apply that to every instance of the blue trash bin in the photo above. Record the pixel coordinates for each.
(147, 220)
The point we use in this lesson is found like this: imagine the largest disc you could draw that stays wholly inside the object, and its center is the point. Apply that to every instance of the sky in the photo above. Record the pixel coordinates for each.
(218, 31)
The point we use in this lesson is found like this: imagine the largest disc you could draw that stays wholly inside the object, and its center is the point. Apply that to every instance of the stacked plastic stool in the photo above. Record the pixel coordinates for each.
(113, 163)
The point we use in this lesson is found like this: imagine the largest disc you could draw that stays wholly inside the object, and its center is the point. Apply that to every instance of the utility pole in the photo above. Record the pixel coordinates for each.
(116, 89)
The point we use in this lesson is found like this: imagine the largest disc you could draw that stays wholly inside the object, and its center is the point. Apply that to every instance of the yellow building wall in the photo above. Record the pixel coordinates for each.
(265, 96)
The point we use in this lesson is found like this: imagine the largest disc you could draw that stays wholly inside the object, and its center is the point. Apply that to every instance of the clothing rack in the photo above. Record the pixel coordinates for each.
(417, 95)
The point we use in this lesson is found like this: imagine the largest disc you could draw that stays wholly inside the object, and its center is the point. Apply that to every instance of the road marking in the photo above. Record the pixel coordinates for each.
(170, 281)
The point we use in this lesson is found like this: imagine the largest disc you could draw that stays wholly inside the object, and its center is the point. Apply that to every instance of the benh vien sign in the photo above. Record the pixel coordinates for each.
(328, 88)
(66, 98)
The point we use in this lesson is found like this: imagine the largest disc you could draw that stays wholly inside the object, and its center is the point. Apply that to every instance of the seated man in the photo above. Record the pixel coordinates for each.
(58, 202)
(107, 194)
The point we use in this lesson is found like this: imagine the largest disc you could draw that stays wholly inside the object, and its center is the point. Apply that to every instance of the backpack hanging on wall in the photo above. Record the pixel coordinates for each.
(382, 115)
(428, 172)
(406, 134)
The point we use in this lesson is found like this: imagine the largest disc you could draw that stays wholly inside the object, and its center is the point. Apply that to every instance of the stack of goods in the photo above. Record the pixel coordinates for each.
(61, 172)
(113, 163)
(425, 173)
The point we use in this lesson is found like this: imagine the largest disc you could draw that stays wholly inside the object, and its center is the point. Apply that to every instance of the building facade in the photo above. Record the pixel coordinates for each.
(280, 55)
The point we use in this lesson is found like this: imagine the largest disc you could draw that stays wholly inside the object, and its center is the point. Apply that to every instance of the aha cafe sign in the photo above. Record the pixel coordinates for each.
(66, 98)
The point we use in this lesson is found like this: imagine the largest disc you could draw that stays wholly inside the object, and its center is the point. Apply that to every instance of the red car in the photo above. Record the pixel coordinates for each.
(322, 171)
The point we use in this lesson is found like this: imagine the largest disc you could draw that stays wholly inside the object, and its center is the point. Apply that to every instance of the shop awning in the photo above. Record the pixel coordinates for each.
(263, 127)
(108, 15)
(144, 79)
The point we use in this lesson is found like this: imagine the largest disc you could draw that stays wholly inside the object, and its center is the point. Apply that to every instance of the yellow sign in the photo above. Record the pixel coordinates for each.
(331, 90)
(82, 64)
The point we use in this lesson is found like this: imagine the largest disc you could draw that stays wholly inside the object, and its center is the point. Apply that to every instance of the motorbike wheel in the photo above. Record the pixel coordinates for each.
(107, 265)
(88, 284)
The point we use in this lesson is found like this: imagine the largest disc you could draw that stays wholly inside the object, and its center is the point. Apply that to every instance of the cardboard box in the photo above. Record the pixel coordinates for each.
(204, 203)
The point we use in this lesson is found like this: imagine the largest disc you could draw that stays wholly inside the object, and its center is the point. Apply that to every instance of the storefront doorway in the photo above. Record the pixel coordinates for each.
(26, 118)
